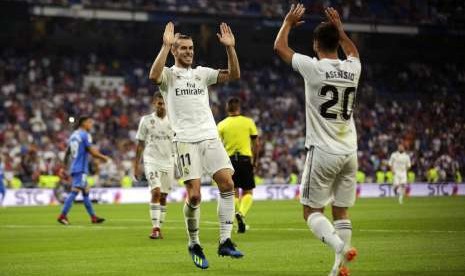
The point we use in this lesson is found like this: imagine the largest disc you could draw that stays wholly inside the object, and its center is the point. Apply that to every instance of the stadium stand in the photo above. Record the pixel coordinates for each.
(405, 96)
(400, 12)
(41, 97)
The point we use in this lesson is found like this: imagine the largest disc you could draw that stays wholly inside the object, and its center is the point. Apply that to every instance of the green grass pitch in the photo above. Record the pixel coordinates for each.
(425, 236)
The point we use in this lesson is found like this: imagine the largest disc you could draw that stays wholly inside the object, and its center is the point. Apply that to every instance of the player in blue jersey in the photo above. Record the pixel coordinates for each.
(79, 147)
(2, 184)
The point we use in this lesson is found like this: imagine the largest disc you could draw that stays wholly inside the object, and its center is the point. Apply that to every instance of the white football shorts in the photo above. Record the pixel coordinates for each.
(199, 158)
(157, 178)
(328, 177)
(400, 178)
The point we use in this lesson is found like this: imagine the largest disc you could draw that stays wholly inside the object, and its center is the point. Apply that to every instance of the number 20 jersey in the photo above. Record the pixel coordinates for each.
(330, 92)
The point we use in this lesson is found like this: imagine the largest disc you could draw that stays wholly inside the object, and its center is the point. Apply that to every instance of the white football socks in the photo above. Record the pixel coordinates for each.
(226, 214)
(155, 211)
(324, 231)
(401, 192)
(344, 231)
(162, 215)
(192, 219)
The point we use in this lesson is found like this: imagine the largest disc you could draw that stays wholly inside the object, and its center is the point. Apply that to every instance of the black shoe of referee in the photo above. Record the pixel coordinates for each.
(240, 223)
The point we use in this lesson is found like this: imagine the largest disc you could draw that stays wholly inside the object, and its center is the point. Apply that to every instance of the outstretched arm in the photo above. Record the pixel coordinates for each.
(346, 43)
(226, 38)
(157, 67)
(97, 154)
(292, 19)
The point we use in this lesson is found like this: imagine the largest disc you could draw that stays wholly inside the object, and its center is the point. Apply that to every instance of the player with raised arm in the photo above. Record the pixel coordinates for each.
(331, 139)
(79, 147)
(399, 162)
(197, 145)
(155, 137)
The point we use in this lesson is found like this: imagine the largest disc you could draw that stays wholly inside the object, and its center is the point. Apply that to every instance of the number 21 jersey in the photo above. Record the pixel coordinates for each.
(330, 91)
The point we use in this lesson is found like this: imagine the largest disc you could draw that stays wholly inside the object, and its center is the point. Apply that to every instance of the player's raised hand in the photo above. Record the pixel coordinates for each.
(226, 36)
(334, 18)
(168, 36)
(294, 15)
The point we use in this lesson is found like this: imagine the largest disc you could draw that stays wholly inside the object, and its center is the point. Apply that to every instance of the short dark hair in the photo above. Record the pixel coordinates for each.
(234, 104)
(327, 36)
(82, 119)
(181, 36)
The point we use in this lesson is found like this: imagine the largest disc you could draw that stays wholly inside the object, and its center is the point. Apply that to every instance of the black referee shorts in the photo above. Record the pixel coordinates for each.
(243, 172)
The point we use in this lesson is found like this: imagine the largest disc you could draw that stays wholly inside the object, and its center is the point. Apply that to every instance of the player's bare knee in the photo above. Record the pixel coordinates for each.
(225, 184)
(163, 199)
(340, 213)
(307, 211)
(194, 199)
(156, 195)
(224, 180)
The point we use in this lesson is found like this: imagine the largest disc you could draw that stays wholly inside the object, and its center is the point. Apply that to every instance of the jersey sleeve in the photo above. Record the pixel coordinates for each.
(165, 78)
(354, 64)
(86, 140)
(303, 64)
(141, 131)
(253, 128)
(210, 75)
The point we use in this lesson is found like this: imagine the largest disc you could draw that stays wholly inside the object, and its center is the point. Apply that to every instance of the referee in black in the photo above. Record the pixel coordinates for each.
(240, 138)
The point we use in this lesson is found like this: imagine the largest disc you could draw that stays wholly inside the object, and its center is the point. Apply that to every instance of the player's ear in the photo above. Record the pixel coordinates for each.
(173, 50)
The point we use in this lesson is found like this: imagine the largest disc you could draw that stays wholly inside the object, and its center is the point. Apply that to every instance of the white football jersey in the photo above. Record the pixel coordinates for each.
(157, 134)
(186, 97)
(399, 162)
(330, 90)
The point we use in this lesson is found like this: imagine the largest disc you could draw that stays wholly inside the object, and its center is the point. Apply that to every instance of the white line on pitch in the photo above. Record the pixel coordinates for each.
(103, 227)
(168, 221)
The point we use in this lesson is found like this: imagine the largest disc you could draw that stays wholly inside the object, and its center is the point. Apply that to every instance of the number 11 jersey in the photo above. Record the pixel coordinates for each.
(330, 92)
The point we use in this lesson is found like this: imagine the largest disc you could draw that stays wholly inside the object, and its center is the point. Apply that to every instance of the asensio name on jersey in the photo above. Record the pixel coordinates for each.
(330, 92)
(186, 96)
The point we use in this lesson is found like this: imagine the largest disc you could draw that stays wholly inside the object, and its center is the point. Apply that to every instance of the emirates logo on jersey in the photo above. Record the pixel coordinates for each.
(197, 78)
(190, 89)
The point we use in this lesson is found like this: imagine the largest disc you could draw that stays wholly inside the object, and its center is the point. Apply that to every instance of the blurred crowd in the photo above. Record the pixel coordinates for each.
(419, 105)
(399, 11)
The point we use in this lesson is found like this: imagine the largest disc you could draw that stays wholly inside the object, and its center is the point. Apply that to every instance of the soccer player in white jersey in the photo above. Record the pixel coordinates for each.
(155, 138)
(399, 162)
(197, 145)
(331, 139)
